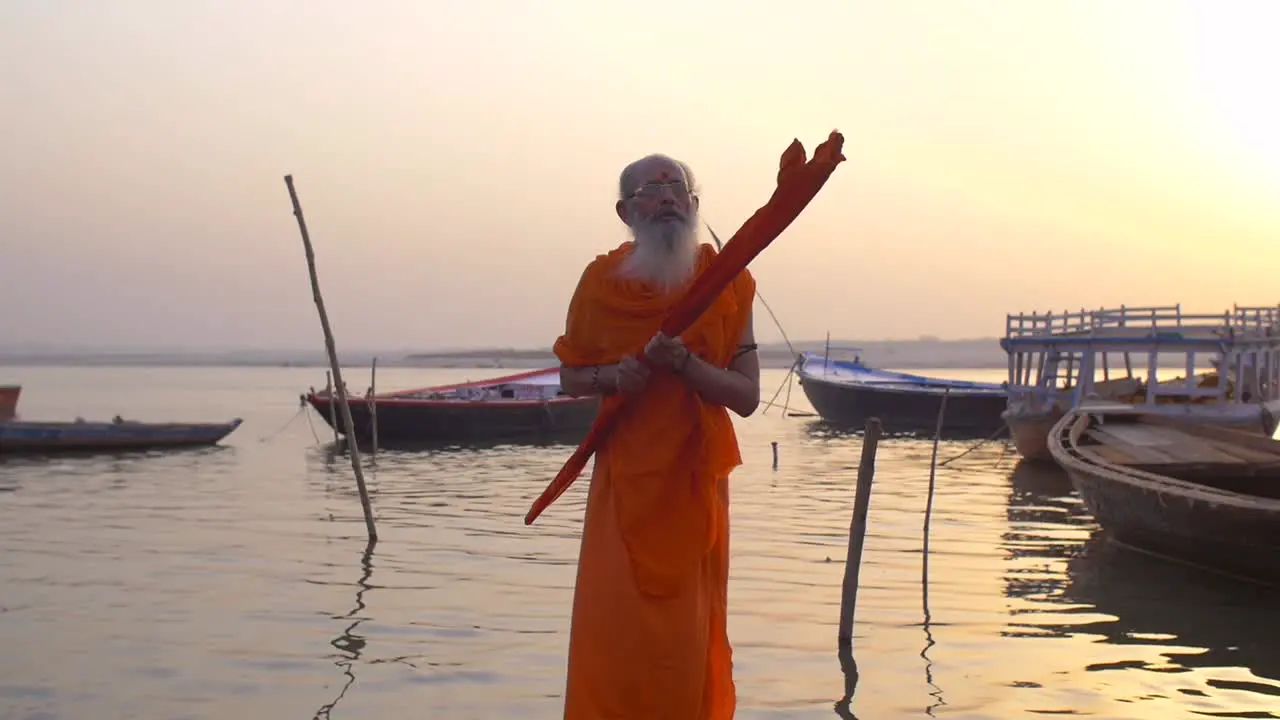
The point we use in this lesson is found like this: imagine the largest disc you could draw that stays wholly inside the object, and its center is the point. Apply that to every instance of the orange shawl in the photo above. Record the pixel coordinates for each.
(670, 446)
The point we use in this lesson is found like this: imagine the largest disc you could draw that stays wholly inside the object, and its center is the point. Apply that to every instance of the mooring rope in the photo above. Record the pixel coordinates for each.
(785, 339)
(778, 392)
(791, 348)
(312, 425)
(284, 427)
(979, 444)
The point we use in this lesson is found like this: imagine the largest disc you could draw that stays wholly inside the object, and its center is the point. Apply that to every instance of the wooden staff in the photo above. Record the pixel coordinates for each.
(339, 386)
(858, 531)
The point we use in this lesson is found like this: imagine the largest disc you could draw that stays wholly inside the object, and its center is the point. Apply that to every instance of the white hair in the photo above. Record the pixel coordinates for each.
(629, 179)
(665, 250)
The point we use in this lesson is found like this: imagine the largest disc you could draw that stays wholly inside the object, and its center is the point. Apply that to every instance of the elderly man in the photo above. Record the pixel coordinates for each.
(648, 637)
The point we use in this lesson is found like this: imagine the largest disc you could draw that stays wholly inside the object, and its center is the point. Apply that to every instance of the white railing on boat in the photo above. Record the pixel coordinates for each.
(1257, 315)
(1242, 344)
(1238, 319)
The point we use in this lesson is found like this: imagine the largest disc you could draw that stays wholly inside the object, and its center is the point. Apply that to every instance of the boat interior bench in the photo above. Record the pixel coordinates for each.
(1206, 460)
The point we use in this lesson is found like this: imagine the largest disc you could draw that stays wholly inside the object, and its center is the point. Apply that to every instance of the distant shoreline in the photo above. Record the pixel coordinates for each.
(903, 354)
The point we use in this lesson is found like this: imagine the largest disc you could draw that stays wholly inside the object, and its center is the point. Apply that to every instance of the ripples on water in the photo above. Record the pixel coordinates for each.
(233, 582)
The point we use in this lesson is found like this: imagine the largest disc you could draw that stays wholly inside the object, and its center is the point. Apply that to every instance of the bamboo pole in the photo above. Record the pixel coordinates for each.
(928, 517)
(333, 403)
(924, 568)
(933, 474)
(373, 407)
(339, 386)
(858, 531)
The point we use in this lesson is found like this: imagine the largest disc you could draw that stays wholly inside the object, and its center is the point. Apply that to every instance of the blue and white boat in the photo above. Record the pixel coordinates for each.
(42, 438)
(848, 392)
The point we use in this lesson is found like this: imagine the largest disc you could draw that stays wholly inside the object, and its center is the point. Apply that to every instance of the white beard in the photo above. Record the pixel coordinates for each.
(664, 254)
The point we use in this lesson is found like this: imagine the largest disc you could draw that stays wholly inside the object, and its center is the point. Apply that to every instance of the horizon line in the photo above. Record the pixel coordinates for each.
(51, 349)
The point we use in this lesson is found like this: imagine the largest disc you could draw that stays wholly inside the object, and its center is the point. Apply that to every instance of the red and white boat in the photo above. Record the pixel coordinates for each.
(525, 406)
(9, 401)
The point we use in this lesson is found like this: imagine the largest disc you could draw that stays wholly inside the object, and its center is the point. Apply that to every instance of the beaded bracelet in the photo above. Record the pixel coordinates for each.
(684, 365)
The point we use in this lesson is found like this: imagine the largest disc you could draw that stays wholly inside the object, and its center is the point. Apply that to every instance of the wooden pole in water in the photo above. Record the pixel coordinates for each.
(333, 403)
(928, 510)
(373, 407)
(339, 386)
(858, 531)
(933, 474)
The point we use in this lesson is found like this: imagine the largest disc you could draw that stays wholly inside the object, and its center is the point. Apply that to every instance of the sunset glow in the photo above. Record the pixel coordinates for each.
(457, 163)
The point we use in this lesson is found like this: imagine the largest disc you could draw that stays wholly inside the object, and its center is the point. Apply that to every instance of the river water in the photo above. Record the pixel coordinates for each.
(232, 582)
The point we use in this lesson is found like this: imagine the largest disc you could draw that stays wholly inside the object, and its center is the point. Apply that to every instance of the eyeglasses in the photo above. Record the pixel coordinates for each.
(654, 189)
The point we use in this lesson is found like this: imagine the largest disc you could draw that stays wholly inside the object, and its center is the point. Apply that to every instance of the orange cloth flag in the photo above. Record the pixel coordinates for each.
(798, 183)
(648, 637)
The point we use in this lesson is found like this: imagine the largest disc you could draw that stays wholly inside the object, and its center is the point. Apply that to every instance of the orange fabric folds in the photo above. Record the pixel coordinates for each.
(668, 445)
(648, 637)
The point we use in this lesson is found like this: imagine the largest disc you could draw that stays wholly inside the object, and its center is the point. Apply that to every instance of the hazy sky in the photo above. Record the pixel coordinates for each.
(457, 160)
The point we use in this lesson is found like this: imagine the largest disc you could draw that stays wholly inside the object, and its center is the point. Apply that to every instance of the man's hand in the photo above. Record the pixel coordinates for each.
(667, 353)
(631, 375)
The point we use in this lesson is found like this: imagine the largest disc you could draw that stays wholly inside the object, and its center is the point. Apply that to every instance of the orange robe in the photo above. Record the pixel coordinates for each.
(648, 638)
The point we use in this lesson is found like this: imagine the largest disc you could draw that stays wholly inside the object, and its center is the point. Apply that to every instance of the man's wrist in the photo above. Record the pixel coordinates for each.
(609, 379)
(681, 365)
(604, 379)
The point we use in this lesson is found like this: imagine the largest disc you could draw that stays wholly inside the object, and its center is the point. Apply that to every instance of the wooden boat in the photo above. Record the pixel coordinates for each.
(529, 405)
(21, 436)
(1055, 362)
(9, 401)
(1202, 494)
(848, 392)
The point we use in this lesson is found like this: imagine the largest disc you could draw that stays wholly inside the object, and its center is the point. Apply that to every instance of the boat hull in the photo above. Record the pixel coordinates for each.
(1242, 542)
(1211, 523)
(21, 437)
(1030, 434)
(408, 421)
(904, 408)
(9, 395)
(1030, 431)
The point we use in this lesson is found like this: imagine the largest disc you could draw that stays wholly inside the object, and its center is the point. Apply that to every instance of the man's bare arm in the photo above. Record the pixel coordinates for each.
(738, 386)
(590, 380)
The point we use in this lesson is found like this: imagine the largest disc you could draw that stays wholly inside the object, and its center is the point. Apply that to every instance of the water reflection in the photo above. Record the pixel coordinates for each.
(848, 670)
(119, 467)
(819, 429)
(1198, 620)
(1047, 525)
(934, 691)
(827, 431)
(348, 643)
(337, 449)
(1151, 615)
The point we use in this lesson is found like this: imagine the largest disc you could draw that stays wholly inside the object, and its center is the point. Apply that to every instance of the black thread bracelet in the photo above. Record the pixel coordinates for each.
(684, 365)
